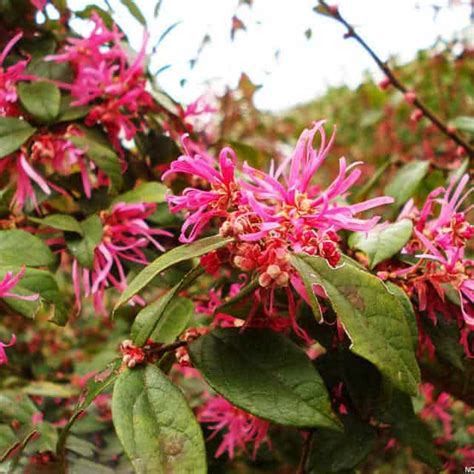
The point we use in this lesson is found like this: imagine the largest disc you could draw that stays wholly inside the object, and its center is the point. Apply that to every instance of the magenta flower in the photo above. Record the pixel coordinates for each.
(10, 76)
(39, 4)
(240, 428)
(105, 79)
(203, 205)
(126, 235)
(3, 354)
(9, 282)
(270, 215)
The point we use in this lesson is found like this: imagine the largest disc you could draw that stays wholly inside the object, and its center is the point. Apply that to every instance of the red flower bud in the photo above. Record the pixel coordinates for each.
(416, 115)
(410, 97)
(384, 84)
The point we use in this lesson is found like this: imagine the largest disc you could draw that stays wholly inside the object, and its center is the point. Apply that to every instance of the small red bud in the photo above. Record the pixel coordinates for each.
(451, 129)
(384, 84)
(460, 151)
(333, 9)
(410, 97)
(416, 115)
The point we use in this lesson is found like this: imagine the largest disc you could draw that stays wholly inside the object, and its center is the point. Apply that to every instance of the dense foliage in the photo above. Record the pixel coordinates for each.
(211, 288)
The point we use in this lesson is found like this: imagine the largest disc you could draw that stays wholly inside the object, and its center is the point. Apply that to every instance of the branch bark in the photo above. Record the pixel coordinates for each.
(333, 12)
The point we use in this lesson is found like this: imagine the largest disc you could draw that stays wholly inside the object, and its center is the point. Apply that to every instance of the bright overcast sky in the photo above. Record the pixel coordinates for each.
(303, 69)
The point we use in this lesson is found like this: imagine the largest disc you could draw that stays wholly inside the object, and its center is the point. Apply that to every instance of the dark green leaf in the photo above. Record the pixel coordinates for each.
(373, 318)
(382, 242)
(159, 315)
(405, 183)
(409, 311)
(83, 247)
(13, 133)
(266, 374)
(40, 99)
(18, 247)
(332, 451)
(174, 322)
(155, 424)
(68, 112)
(167, 260)
(308, 283)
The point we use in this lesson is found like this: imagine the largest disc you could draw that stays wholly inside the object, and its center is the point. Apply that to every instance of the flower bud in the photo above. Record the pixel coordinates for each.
(282, 279)
(273, 271)
(410, 97)
(416, 115)
(384, 84)
(265, 280)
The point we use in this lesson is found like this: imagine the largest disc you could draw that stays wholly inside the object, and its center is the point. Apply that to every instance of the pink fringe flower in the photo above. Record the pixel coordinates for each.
(269, 215)
(9, 77)
(105, 79)
(9, 282)
(239, 427)
(126, 235)
(441, 233)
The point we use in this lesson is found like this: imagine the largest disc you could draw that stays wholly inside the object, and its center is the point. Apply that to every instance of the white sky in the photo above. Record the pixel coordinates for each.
(304, 68)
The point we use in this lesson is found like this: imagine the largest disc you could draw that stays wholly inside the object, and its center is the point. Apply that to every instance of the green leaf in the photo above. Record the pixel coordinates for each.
(83, 247)
(95, 386)
(13, 133)
(159, 316)
(37, 281)
(102, 155)
(406, 181)
(409, 311)
(266, 374)
(40, 99)
(60, 222)
(18, 247)
(308, 283)
(373, 318)
(241, 304)
(167, 260)
(382, 242)
(134, 11)
(176, 318)
(68, 112)
(44, 388)
(155, 424)
(465, 124)
(145, 192)
(334, 452)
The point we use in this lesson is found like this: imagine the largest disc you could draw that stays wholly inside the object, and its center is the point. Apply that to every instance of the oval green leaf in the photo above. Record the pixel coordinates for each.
(266, 374)
(406, 181)
(373, 318)
(167, 260)
(18, 247)
(13, 133)
(41, 99)
(155, 425)
(382, 242)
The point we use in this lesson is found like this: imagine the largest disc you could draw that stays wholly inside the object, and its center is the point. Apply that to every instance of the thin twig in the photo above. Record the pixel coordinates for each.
(333, 12)
(305, 453)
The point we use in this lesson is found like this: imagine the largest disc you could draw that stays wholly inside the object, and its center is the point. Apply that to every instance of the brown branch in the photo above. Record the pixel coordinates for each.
(333, 12)
(305, 453)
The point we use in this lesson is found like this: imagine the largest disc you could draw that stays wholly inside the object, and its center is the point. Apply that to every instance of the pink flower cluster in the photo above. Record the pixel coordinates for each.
(125, 236)
(239, 427)
(49, 153)
(270, 214)
(104, 79)
(9, 77)
(441, 233)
